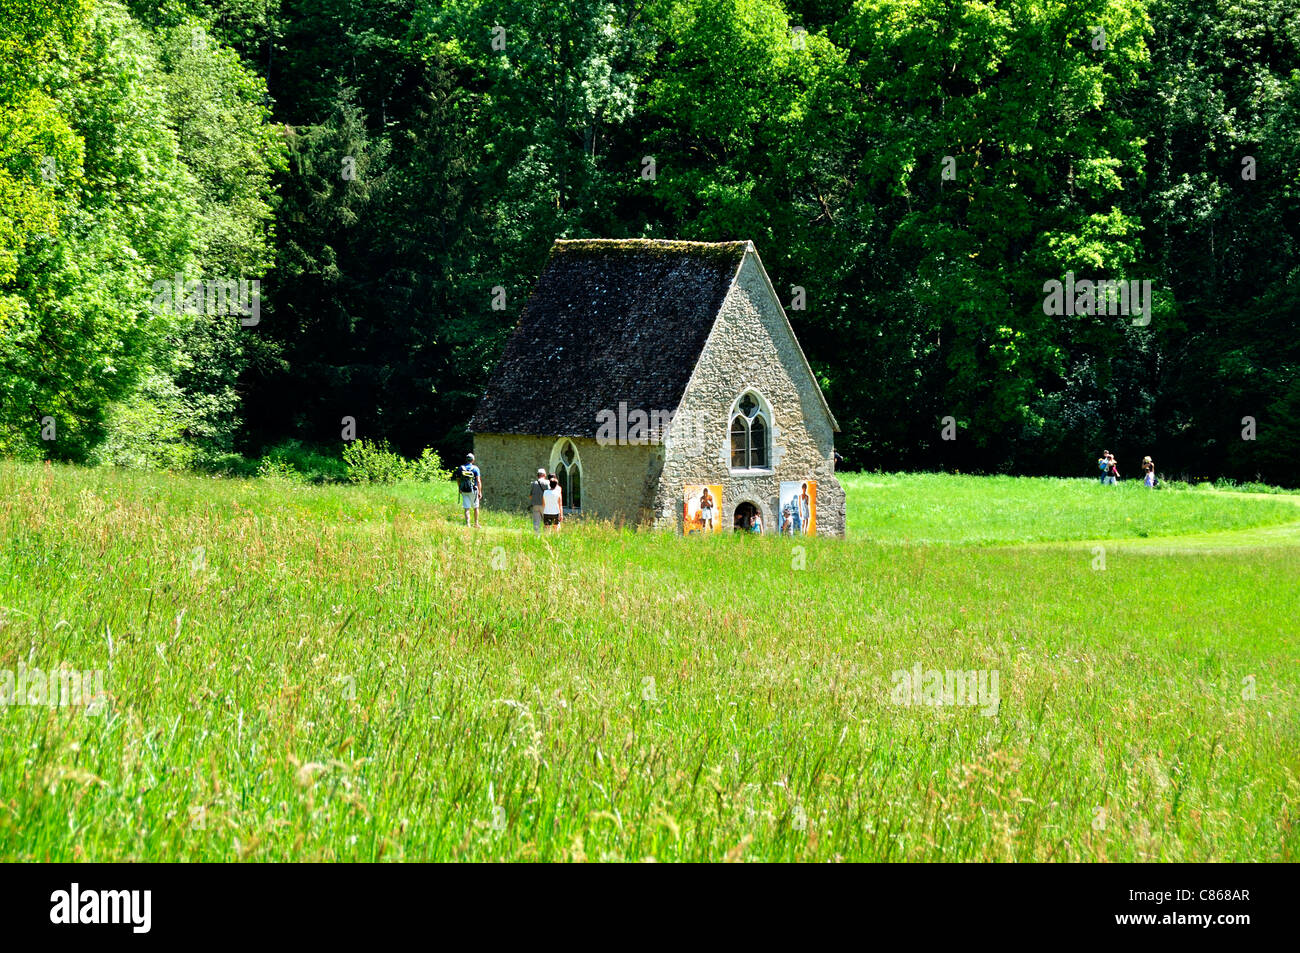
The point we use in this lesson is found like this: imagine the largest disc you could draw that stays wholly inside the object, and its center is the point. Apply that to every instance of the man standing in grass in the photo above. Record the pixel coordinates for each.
(537, 498)
(470, 482)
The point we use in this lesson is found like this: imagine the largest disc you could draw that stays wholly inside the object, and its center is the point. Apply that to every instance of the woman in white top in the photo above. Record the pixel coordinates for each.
(553, 504)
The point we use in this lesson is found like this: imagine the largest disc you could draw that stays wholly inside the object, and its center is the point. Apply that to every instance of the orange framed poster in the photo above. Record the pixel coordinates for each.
(702, 508)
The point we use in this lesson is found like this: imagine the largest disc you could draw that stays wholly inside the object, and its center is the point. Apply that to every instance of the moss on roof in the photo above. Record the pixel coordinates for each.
(610, 321)
(649, 248)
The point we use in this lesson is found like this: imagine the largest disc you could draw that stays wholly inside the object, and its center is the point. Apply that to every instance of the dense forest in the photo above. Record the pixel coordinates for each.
(391, 174)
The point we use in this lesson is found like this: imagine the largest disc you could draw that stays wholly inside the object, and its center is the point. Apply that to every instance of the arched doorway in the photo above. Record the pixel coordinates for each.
(742, 520)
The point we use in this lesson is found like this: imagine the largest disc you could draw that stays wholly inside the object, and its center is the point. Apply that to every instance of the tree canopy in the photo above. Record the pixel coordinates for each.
(915, 173)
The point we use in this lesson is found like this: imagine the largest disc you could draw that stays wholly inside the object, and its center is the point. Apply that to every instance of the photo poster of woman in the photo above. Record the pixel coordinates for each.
(796, 512)
(702, 511)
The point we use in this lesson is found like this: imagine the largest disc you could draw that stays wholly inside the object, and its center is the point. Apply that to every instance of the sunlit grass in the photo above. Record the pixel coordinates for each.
(345, 673)
(935, 507)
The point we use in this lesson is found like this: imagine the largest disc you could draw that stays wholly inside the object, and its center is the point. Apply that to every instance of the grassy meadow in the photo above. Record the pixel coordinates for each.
(346, 673)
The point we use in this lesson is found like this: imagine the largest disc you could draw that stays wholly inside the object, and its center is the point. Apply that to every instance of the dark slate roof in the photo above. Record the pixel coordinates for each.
(610, 321)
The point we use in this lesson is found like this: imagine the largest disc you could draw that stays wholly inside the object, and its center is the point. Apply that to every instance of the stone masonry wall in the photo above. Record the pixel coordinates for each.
(617, 481)
(751, 348)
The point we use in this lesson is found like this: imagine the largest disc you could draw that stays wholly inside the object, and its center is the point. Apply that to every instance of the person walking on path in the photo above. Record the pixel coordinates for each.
(537, 498)
(469, 479)
(553, 504)
(1109, 470)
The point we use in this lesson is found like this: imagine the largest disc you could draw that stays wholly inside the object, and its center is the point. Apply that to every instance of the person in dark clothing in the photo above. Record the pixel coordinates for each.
(537, 489)
(470, 482)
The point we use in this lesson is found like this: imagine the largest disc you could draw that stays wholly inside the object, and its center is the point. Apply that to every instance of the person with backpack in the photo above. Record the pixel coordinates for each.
(469, 480)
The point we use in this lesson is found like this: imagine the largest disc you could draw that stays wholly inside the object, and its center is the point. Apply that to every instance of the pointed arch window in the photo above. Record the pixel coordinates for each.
(751, 433)
(567, 467)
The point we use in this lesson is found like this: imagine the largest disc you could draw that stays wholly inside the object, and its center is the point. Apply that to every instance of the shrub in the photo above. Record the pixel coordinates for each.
(149, 430)
(311, 463)
(429, 468)
(272, 469)
(374, 461)
(362, 461)
(227, 464)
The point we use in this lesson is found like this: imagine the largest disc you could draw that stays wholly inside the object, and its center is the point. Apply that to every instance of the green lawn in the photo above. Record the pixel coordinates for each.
(304, 672)
(940, 508)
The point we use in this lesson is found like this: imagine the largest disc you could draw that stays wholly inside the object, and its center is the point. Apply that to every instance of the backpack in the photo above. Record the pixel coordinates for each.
(465, 479)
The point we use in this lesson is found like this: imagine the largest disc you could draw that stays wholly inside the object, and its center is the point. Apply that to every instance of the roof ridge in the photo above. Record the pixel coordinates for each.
(661, 241)
(642, 245)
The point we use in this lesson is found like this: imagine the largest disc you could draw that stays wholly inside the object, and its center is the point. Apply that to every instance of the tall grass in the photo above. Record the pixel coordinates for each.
(341, 672)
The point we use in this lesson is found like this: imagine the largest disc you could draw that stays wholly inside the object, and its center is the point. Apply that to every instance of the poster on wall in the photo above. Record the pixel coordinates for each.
(702, 509)
(796, 513)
